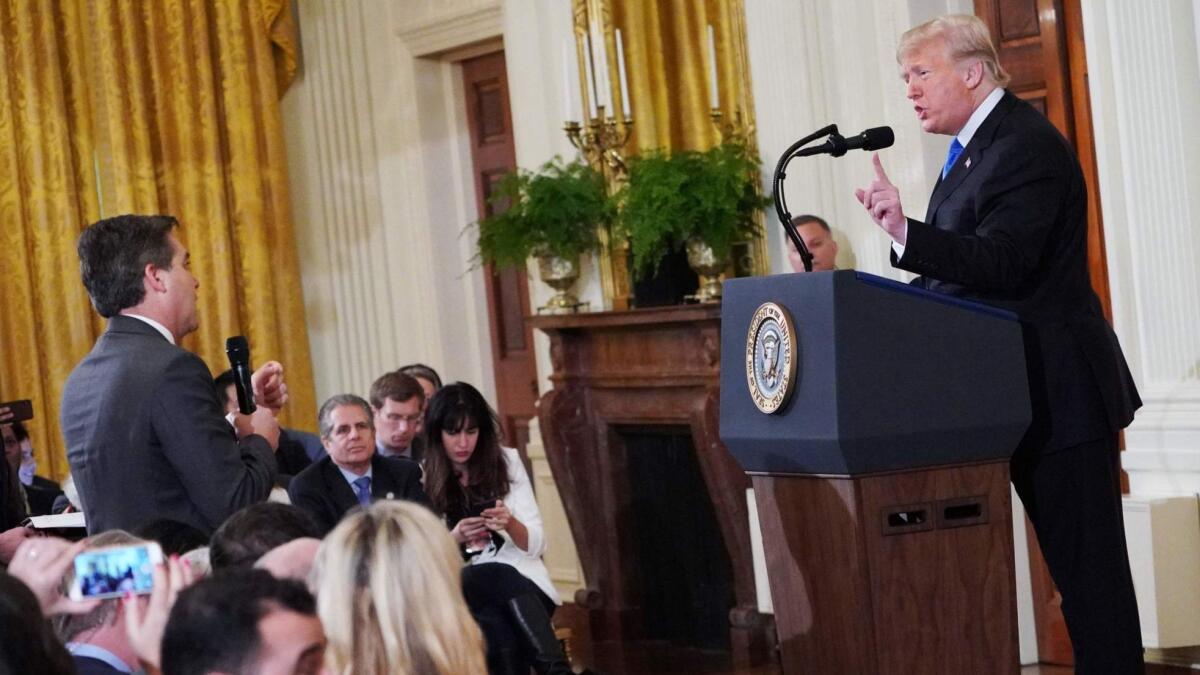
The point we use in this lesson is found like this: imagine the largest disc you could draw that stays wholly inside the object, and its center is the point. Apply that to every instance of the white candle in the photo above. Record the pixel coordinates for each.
(591, 79)
(714, 94)
(621, 73)
(603, 91)
(566, 66)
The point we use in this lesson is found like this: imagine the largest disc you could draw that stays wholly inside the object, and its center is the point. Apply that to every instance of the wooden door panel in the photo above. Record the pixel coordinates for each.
(1041, 46)
(489, 121)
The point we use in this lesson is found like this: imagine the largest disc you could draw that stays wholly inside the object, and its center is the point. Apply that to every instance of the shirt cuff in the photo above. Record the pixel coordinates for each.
(897, 247)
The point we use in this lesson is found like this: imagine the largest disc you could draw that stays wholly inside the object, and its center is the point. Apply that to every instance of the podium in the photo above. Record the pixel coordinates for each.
(882, 483)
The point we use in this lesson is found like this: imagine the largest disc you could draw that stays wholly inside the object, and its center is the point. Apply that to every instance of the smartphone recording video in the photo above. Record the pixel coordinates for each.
(112, 572)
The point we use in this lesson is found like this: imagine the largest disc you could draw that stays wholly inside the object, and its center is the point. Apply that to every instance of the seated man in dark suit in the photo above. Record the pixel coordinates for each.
(353, 473)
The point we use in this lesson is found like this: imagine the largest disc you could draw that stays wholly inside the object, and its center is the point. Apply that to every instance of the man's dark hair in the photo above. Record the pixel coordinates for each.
(396, 386)
(248, 534)
(173, 536)
(213, 626)
(20, 431)
(222, 382)
(809, 218)
(113, 254)
(422, 370)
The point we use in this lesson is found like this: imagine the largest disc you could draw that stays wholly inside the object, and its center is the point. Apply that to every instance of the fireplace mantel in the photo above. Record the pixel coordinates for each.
(640, 368)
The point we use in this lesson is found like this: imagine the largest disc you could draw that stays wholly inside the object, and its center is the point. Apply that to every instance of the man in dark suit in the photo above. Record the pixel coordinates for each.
(1007, 225)
(352, 473)
(146, 434)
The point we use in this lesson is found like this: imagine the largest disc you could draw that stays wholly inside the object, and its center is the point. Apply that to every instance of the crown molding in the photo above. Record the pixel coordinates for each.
(453, 31)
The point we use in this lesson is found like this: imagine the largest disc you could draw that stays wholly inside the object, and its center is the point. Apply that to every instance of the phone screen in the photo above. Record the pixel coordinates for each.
(112, 572)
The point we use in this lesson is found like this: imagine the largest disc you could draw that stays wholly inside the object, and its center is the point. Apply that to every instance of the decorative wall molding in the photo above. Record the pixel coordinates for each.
(1148, 182)
(453, 30)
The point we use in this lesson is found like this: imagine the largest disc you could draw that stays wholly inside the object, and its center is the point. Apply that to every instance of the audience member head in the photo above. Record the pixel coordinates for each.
(246, 621)
(104, 626)
(817, 236)
(428, 377)
(949, 65)
(227, 390)
(12, 496)
(28, 466)
(253, 531)
(28, 645)
(397, 401)
(293, 560)
(12, 446)
(388, 590)
(462, 434)
(133, 262)
(347, 430)
(173, 536)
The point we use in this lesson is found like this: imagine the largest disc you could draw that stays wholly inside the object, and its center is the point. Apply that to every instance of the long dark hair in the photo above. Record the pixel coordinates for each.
(455, 407)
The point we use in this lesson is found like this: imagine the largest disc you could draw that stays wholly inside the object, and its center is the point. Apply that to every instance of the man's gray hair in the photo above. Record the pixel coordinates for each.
(966, 37)
(324, 421)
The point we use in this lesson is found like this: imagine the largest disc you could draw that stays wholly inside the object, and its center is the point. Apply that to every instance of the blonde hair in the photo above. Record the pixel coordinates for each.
(965, 36)
(389, 595)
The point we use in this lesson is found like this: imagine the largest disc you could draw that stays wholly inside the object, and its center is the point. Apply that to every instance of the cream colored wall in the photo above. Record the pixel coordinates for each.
(380, 188)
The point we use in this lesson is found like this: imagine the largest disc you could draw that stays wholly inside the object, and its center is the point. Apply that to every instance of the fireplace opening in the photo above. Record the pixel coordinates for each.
(683, 573)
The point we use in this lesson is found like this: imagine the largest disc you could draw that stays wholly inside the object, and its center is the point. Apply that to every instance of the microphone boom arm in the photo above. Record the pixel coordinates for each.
(785, 218)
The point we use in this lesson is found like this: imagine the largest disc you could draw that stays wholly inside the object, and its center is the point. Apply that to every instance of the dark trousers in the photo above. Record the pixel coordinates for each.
(487, 588)
(1073, 498)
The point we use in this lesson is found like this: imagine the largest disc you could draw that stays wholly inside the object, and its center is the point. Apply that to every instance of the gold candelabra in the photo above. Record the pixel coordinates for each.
(601, 141)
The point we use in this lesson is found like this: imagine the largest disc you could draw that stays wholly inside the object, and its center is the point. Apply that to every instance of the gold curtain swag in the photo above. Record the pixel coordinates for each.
(145, 107)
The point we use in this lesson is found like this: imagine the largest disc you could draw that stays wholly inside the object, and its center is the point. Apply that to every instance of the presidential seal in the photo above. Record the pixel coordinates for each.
(772, 354)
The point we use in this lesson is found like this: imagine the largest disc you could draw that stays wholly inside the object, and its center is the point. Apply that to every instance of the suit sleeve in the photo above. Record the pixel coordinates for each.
(1013, 212)
(219, 473)
(302, 495)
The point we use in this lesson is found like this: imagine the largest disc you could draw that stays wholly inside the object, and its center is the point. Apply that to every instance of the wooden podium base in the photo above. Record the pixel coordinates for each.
(907, 572)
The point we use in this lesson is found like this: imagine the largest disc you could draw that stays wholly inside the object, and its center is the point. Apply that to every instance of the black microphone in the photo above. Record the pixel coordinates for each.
(238, 350)
(877, 138)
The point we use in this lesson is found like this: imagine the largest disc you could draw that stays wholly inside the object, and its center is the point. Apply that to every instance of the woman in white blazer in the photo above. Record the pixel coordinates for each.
(483, 492)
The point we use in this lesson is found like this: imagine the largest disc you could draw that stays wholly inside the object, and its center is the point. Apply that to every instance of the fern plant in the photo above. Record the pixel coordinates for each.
(671, 197)
(556, 211)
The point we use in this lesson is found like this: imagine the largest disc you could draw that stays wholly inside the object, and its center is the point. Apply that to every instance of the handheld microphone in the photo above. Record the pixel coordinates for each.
(876, 138)
(238, 350)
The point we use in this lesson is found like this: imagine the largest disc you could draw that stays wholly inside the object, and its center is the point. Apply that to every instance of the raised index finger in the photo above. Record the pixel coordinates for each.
(879, 172)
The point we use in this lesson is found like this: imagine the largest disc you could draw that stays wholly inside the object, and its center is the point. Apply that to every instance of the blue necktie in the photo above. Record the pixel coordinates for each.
(956, 149)
(362, 487)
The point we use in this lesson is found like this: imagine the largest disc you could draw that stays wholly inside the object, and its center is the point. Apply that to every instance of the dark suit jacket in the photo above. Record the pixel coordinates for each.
(1008, 227)
(86, 665)
(147, 438)
(322, 490)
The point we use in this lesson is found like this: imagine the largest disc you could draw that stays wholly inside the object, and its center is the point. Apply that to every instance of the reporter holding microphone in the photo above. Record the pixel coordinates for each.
(145, 430)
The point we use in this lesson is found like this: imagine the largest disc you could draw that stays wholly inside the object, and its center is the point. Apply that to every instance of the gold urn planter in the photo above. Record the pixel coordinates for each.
(709, 267)
(561, 275)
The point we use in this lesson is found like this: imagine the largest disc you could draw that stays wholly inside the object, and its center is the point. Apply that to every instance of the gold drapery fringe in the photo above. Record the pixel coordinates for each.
(147, 107)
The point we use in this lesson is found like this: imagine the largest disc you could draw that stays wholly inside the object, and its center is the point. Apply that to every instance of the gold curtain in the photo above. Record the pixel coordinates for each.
(667, 65)
(147, 107)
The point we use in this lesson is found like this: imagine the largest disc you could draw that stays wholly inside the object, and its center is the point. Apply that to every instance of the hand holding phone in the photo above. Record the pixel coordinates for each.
(16, 411)
(112, 572)
(41, 562)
